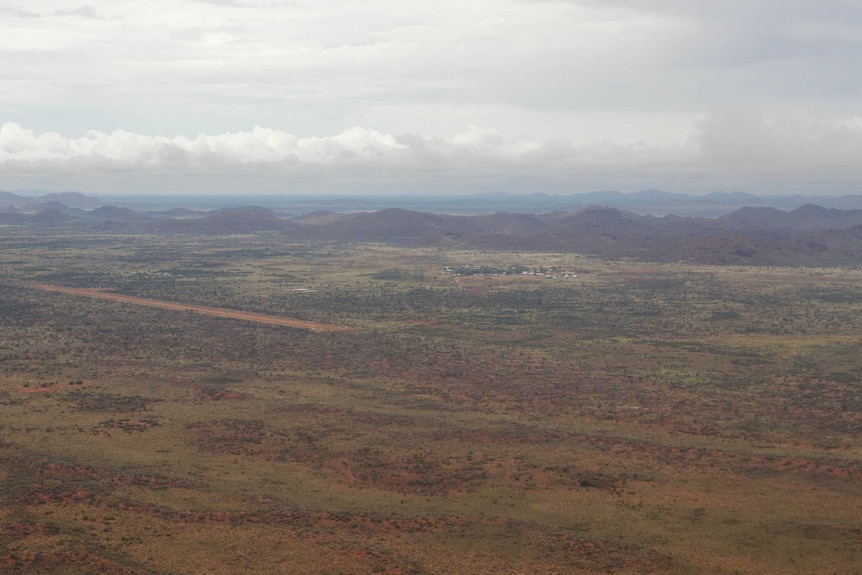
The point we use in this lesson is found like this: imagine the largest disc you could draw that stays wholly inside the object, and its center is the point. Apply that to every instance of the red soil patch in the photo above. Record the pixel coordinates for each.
(50, 388)
(214, 311)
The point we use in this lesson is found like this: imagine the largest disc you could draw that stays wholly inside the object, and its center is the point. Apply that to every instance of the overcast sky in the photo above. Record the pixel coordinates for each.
(380, 96)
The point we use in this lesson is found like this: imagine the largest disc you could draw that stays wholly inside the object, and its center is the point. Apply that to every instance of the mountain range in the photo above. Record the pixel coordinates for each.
(645, 202)
(809, 235)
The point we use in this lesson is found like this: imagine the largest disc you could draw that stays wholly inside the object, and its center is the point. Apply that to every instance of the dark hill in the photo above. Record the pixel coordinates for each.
(750, 236)
(62, 208)
(51, 217)
(759, 218)
(244, 220)
(319, 217)
(499, 223)
(809, 217)
(115, 213)
(809, 235)
(392, 224)
(600, 219)
(817, 217)
(602, 230)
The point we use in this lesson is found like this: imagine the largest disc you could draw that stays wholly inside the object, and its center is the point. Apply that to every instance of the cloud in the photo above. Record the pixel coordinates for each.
(316, 67)
(776, 143)
(124, 149)
(359, 158)
(739, 147)
(585, 92)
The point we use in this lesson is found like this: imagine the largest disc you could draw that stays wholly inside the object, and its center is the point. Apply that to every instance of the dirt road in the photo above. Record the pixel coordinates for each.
(216, 311)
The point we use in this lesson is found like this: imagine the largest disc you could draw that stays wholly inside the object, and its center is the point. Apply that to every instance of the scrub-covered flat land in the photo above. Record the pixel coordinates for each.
(484, 412)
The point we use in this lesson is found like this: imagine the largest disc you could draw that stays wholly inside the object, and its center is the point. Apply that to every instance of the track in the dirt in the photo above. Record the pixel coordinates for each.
(215, 311)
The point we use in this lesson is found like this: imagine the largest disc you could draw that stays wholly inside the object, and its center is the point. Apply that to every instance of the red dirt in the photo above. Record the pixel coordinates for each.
(215, 311)
(51, 387)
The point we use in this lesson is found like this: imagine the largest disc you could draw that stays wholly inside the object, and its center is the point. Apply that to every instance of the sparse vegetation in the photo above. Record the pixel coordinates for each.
(645, 418)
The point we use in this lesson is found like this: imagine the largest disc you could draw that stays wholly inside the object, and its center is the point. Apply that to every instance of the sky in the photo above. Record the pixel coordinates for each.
(451, 96)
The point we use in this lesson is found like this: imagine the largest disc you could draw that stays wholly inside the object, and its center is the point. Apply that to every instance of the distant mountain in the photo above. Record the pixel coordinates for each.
(500, 223)
(646, 202)
(809, 235)
(730, 198)
(37, 203)
(840, 202)
(756, 235)
(754, 218)
(602, 197)
(51, 216)
(176, 213)
(807, 217)
(59, 207)
(391, 224)
(817, 217)
(318, 217)
(115, 213)
(8, 198)
(244, 220)
(72, 200)
(658, 196)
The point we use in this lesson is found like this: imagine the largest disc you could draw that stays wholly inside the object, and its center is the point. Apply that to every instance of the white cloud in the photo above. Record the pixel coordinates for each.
(742, 148)
(123, 149)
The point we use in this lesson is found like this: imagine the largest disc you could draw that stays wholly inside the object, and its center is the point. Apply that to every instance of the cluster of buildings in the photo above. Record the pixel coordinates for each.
(549, 273)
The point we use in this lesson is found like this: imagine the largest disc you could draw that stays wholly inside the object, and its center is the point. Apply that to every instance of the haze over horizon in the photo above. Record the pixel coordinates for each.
(520, 96)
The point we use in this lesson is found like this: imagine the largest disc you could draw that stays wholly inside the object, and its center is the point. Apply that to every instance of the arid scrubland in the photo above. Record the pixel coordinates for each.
(636, 418)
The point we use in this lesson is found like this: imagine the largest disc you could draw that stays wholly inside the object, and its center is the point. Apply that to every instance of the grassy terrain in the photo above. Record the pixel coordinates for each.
(637, 418)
